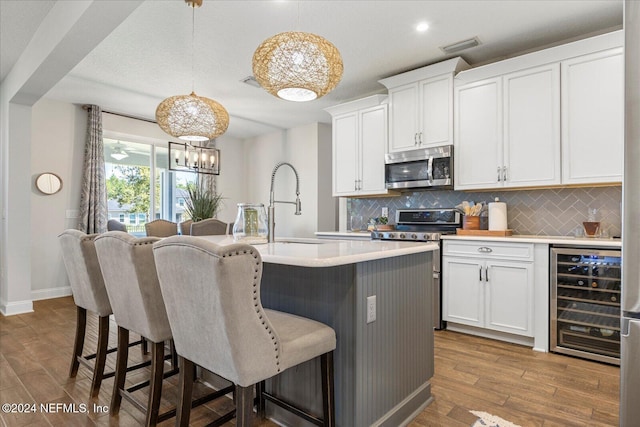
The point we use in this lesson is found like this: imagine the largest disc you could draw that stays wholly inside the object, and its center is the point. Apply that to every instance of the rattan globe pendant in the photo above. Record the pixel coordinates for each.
(192, 117)
(297, 66)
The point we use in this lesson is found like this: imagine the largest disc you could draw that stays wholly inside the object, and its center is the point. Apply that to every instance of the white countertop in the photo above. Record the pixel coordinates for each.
(523, 238)
(551, 240)
(329, 253)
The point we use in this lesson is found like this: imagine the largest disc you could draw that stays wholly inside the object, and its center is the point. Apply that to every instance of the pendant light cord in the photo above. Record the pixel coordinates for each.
(193, 42)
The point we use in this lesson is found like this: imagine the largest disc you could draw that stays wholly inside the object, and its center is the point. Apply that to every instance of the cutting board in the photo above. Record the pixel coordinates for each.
(495, 233)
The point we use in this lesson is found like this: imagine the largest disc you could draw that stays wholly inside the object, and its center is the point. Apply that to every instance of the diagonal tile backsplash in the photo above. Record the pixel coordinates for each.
(552, 212)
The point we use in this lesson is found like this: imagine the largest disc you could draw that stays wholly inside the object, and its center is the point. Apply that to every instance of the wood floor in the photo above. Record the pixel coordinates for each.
(510, 381)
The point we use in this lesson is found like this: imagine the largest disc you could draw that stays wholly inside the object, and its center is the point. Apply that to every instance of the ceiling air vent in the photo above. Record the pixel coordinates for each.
(251, 81)
(461, 45)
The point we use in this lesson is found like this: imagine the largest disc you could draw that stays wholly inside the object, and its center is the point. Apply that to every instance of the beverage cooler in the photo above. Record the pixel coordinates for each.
(586, 289)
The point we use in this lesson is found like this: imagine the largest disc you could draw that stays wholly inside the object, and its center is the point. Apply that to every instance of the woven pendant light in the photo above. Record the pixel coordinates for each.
(297, 66)
(192, 117)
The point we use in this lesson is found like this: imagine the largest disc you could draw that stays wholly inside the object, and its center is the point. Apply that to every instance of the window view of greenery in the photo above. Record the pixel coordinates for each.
(132, 200)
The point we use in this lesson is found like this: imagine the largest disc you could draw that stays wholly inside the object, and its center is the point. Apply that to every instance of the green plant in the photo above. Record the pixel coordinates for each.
(383, 220)
(202, 203)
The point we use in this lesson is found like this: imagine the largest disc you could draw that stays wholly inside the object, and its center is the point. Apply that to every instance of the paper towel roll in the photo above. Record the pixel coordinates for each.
(497, 215)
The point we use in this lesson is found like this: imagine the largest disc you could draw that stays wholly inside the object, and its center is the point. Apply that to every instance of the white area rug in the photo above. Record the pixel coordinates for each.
(488, 420)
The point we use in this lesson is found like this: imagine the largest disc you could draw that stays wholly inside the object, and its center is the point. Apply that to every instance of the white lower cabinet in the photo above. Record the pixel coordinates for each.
(489, 285)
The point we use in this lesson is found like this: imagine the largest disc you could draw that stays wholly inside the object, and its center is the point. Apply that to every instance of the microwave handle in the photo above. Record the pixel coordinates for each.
(430, 168)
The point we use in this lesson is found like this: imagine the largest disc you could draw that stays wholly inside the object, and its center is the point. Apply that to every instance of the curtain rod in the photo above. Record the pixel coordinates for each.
(86, 108)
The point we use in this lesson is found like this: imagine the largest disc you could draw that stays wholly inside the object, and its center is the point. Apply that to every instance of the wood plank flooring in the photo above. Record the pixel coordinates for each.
(472, 373)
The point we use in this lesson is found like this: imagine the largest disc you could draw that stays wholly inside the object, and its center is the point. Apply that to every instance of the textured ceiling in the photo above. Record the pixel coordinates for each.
(148, 57)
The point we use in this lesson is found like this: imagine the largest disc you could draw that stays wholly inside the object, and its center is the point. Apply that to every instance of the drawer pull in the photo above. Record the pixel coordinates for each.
(480, 274)
(485, 249)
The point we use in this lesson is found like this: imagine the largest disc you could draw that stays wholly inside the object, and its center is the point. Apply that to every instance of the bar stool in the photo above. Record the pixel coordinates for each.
(212, 296)
(132, 286)
(87, 286)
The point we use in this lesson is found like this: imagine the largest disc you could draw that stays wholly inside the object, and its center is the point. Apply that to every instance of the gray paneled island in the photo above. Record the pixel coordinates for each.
(382, 368)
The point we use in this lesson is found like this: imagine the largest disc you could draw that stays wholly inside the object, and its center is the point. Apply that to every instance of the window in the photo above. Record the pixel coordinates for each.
(131, 168)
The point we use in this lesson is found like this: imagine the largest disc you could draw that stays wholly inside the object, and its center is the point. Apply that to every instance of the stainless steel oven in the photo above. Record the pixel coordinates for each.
(421, 168)
(426, 225)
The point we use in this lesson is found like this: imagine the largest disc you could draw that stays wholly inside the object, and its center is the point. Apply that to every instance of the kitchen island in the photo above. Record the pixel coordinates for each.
(382, 368)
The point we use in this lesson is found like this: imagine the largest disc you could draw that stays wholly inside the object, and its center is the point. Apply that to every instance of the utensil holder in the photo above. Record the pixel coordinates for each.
(471, 222)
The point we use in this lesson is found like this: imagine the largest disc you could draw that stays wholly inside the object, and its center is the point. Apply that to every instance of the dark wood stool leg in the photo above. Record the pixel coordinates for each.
(121, 369)
(155, 383)
(244, 406)
(174, 354)
(328, 399)
(185, 393)
(260, 407)
(81, 325)
(101, 355)
(143, 346)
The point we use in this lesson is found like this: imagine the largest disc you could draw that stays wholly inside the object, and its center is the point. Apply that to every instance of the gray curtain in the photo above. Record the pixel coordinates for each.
(93, 200)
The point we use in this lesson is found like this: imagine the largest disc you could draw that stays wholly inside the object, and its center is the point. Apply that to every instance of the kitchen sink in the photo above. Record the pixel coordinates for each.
(302, 241)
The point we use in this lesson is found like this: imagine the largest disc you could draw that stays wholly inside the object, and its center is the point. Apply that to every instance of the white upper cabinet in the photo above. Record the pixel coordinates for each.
(532, 127)
(552, 117)
(508, 130)
(359, 143)
(478, 145)
(421, 106)
(593, 118)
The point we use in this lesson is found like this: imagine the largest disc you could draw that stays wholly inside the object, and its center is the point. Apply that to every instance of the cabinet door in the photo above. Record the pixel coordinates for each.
(403, 117)
(593, 118)
(436, 111)
(462, 291)
(532, 127)
(478, 138)
(373, 136)
(509, 297)
(345, 154)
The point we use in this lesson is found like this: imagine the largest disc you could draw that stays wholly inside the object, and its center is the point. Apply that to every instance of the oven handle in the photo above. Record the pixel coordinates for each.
(430, 168)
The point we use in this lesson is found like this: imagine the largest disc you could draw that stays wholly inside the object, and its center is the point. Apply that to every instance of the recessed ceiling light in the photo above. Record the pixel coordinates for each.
(422, 27)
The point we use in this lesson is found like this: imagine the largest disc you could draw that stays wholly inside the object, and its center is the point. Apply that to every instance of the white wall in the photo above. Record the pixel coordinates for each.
(231, 182)
(57, 145)
(306, 148)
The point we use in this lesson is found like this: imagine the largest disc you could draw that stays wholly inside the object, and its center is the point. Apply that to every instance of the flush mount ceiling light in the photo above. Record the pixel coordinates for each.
(192, 117)
(297, 66)
(118, 153)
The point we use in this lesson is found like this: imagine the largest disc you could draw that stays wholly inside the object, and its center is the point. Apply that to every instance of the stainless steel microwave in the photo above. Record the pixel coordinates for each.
(422, 168)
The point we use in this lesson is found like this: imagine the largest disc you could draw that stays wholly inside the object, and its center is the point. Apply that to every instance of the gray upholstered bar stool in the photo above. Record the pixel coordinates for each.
(161, 228)
(132, 285)
(87, 286)
(212, 296)
(209, 227)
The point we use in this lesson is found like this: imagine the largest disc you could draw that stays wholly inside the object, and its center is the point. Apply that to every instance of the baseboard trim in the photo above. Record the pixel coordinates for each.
(18, 307)
(63, 291)
(487, 333)
(405, 412)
